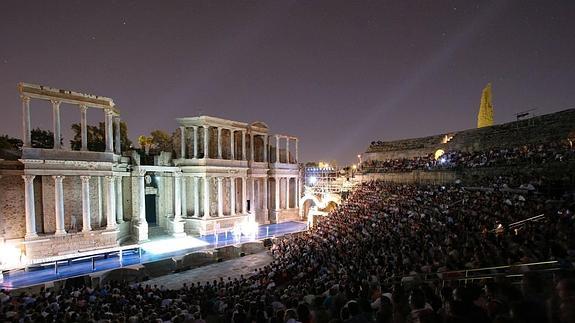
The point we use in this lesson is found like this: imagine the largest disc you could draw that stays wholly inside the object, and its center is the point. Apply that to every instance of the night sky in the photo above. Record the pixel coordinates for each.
(336, 74)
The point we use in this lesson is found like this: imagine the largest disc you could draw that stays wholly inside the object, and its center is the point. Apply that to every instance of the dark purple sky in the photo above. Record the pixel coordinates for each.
(338, 74)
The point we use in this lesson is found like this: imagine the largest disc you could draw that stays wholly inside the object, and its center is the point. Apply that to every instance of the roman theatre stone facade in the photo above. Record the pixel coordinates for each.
(60, 201)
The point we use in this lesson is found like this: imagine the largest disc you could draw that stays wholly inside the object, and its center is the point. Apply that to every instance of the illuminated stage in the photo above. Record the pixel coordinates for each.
(163, 248)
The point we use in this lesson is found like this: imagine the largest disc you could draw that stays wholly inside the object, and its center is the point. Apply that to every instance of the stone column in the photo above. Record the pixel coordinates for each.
(117, 136)
(206, 197)
(287, 193)
(287, 150)
(56, 124)
(142, 198)
(177, 196)
(252, 147)
(266, 145)
(232, 146)
(182, 142)
(59, 205)
(86, 226)
(265, 193)
(253, 197)
(84, 127)
(244, 145)
(206, 142)
(220, 197)
(100, 202)
(108, 129)
(26, 131)
(277, 193)
(196, 197)
(29, 206)
(119, 200)
(296, 151)
(111, 203)
(195, 141)
(219, 143)
(184, 196)
(244, 195)
(277, 149)
(232, 196)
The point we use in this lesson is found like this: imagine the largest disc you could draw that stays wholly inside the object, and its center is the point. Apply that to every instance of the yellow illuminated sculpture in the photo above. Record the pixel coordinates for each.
(485, 115)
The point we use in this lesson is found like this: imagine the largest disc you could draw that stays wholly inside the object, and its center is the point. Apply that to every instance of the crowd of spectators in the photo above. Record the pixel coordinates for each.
(362, 263)
(455, 159)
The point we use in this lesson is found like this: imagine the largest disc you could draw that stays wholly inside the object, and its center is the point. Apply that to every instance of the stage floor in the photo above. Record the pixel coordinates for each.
(46, 273)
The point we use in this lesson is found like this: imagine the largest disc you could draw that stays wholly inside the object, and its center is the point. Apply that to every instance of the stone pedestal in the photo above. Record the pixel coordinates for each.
(195, 226)
(140, 233)
(176, 228)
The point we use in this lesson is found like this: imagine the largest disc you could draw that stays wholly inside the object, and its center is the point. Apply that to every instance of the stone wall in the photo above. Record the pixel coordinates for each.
(69, 244)
(541, 129)
(12, 207)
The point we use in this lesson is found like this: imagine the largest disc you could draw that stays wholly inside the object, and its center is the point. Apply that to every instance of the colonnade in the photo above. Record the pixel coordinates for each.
(194, 154)
(111, 121)
(277, 190)
(114, 205)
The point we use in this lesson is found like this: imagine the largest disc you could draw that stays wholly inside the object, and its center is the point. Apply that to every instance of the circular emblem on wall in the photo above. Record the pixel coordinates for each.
(148, 179)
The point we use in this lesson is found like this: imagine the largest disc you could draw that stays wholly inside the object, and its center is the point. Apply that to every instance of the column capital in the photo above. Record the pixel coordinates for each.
(141, 172)
(177, 174)
(58, 177)
(28, 178)
(56, 102)
(85, 178)
(25, 98)
(83, 107)
(219, 178)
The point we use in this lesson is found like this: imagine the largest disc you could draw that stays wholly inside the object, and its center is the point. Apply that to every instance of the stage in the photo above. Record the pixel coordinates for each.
(158, 249)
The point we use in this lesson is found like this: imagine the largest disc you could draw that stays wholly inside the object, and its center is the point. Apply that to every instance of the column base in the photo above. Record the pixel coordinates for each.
(274, 216)
(30, 236)
(141, 232)
(177, 228)
(60, 233)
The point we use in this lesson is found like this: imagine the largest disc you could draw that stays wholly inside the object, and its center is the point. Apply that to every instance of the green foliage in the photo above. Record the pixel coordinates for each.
(43, 138)
(97, 137)
(10, 143)
(162, 141)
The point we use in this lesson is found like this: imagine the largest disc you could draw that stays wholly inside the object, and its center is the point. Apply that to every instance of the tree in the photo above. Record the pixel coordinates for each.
(10, 143)
(145, 143)
(162, 141)
(97, 137)
(43, 138)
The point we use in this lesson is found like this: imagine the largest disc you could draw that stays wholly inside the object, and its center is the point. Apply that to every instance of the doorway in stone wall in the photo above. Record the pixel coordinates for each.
(151, 209)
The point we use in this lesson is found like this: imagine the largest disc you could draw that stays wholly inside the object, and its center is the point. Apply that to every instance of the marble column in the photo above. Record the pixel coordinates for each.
(177, 196)
(56, 124)
(111, 203)
(184, 196)
(100, 202)
(277, 193)
(26, 130)
(277, 149)
(84, 127)
(219, 143)
(296, 151)
(265, 193)
(196, 196)
(253, 197)
(109, 132)
(117, 146)
(244, 196)
(287, 193)
(206, 197)
(287, 150)
(206, 142)
(142, 198)
(59, 205)
(220, 197)
(119, 200)
(182, 142)
(195, 142)
(244, 145)
(29, 206)
(266, 149)
(252, 148)
(232, 196)
(232, 146)
(86, 226)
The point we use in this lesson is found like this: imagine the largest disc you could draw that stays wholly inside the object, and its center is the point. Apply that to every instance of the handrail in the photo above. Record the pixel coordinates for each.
(534, 218)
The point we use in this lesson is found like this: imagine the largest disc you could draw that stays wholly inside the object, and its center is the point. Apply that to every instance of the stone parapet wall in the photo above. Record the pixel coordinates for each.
(49, 246)
(540, 129)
